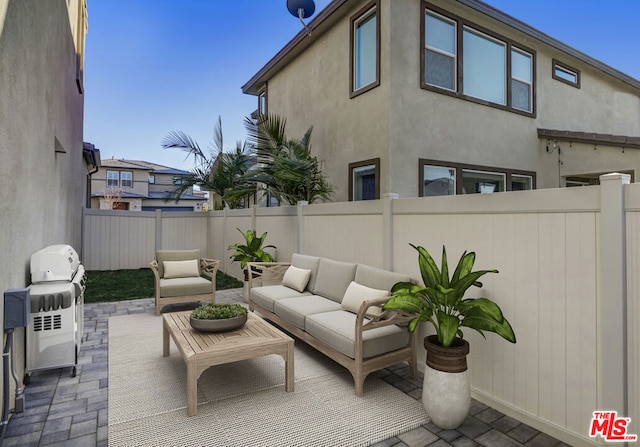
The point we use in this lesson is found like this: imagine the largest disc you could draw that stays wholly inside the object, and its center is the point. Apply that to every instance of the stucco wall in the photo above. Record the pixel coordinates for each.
(314, 91)
(400, 122)
(41, 190)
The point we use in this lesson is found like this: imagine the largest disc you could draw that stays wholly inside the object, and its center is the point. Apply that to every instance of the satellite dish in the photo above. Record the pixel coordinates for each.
(302, 9)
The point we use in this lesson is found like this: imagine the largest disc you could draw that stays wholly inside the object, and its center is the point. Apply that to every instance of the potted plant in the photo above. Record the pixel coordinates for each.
(251, 251)
(218, 317)
(446, 392)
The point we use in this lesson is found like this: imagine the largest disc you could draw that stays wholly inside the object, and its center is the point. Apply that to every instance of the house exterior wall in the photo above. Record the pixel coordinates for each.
(41, 114)
(400, 122)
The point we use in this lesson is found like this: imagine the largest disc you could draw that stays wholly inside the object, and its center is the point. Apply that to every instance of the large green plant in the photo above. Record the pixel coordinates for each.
(252, 250)
(441, 301)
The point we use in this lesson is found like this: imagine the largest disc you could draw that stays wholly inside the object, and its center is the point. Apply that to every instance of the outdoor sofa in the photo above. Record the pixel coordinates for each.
(178, 277)
(334, 306)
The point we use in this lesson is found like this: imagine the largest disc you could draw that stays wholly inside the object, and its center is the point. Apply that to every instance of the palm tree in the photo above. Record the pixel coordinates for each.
(286, 169)
(219, 172)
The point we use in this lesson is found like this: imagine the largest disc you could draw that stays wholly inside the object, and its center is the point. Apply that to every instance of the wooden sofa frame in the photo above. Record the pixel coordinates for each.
(359, 367)
(208, 267)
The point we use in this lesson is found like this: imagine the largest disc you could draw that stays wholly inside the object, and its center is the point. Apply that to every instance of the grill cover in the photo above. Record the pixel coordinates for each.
(54, 263)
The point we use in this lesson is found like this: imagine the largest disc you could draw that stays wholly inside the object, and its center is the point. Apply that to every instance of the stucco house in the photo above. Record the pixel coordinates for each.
(43, 171)
(439, 97)
(136, 185)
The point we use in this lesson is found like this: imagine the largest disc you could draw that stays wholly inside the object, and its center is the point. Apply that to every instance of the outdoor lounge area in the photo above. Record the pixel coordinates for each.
(66, 411)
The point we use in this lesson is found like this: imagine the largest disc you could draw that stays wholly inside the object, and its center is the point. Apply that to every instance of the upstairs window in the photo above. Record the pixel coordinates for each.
(126, 179)
(566, 74)
(440, 51)
(461, 59)
(122, 179)
(113, 179)
(365, 48)
(262, 102)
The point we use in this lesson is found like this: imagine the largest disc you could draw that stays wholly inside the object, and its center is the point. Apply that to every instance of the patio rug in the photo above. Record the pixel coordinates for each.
(244, 403)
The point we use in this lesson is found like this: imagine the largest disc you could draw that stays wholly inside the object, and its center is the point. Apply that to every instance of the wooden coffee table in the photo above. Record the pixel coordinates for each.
(200, 350)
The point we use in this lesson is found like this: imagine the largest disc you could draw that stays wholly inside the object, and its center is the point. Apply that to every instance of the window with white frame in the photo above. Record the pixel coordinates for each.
(438, 181)
(113, 179)
(521, 182)
(262, 103)
(564, 73)
(126, 179)
(463, 60)
(365, 63)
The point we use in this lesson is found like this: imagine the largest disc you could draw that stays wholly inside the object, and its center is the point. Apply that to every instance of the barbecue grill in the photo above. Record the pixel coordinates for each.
(54, 335)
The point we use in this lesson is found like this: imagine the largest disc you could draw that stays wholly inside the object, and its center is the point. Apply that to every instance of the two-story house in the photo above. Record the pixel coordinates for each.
(136, 185)
(440, 97)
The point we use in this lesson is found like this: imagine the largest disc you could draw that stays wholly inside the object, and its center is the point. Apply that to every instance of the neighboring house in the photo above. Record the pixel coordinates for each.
(42, 168)
(448, 97)
(135, 185)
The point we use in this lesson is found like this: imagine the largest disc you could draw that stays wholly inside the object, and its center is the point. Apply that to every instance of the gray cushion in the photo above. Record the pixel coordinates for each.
(337, 329)
(175, 255)
(333, 278)
(308, 263)
(295, 310)
(185, 287)
(378, 278)
(265, 296)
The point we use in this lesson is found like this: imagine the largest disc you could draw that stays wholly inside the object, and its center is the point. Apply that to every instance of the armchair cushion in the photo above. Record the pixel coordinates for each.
(296, 278)
(184, 287)
(357, 293)
(181, 269)
(175, 255)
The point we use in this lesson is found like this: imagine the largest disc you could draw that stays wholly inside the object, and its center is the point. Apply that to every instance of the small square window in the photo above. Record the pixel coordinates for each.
(438, 181)
(152, 179)
(521, 182)
(364, 180)
(482, 182)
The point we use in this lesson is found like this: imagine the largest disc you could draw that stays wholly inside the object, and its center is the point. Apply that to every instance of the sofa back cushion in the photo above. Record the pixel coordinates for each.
(307, 262)
(175, 255)
(378, 278)
(333, 278)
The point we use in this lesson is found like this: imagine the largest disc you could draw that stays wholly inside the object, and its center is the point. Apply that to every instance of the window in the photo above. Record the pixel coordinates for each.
(438, 181)
(177, 181)
(482, 182)
(126, 179)
(262, 102)
(464, 60)
(365, 64)
(483, 67)
(364, 180)
(566, 74)
(521, 80)
(521, 182)
(152, 179)
(113, 178)
(440, 52)
(444, 179)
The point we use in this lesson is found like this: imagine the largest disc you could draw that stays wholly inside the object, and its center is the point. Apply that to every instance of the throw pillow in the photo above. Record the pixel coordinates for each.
(181, 269)
(357, 293)
(296, 278)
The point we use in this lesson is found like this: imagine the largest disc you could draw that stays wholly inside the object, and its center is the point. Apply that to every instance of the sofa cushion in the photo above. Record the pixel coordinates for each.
(333, 278)
(308, 263)
(378, 278)
(295, 310)
(181, 269)
(296, 278)
(337, 330)
(357, 293)
(174, 255)
(265, 296)
(185, 287)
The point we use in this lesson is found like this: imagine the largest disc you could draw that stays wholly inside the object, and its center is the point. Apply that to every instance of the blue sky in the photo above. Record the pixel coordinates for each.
(153, 66)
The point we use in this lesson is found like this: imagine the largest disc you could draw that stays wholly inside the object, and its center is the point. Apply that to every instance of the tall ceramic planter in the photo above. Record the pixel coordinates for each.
(446, 391)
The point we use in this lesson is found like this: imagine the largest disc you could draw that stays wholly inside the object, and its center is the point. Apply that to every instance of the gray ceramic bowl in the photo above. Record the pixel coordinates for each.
(226, 324)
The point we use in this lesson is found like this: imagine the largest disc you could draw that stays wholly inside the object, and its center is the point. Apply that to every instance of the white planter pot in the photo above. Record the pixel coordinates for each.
(245, 291)
(446, 397)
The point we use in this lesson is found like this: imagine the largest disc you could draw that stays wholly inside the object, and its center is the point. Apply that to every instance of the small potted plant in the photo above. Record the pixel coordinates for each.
(251, 251)
(218, 317)
(446, 393)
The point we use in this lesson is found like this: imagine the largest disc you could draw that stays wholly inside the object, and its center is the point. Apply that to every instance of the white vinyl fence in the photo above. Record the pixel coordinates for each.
(568, 282)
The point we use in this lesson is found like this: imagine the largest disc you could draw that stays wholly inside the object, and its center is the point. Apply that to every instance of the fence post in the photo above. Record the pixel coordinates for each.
(612, 296)
(224, 240)
(158, 229)
(300, 210)
(387, 230)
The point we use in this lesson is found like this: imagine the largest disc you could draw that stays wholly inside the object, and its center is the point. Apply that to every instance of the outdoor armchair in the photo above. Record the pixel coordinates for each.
(178, 277)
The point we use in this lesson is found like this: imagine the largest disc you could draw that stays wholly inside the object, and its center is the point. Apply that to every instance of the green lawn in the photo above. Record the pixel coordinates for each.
(118, 285)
